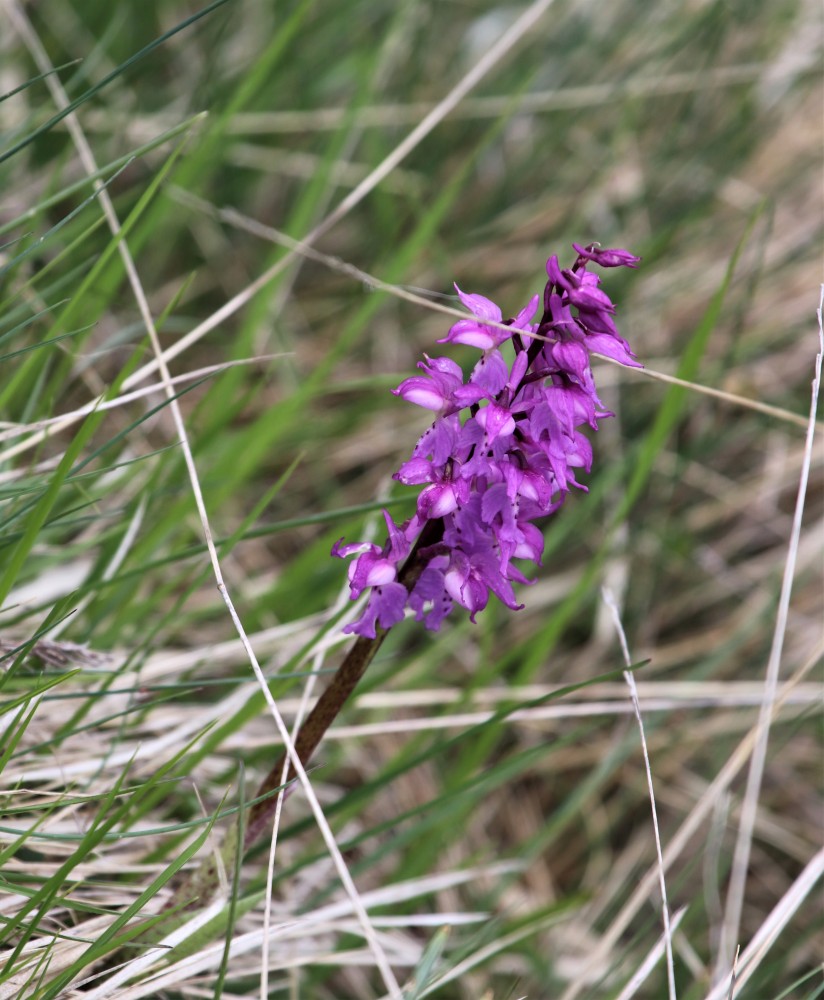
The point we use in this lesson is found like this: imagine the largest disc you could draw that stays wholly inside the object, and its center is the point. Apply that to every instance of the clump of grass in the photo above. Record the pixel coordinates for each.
(489, 779)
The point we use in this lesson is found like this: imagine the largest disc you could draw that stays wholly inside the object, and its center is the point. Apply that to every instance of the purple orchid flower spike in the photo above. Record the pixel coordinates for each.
(501, 452)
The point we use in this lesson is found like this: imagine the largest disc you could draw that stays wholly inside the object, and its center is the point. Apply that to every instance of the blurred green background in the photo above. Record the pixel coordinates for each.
(688, 132)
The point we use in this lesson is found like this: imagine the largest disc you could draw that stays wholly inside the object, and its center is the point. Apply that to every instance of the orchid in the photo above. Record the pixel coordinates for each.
(500, 453)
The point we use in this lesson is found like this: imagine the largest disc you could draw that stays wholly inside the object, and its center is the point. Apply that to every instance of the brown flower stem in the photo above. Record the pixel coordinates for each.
(333, 699)
(312, 732)
(198, 886)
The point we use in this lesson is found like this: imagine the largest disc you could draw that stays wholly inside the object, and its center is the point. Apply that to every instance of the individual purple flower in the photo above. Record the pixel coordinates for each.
(435, 390)
(385, 608)
(501, 452)
(429, 599)
(496, 422)
(477, 333)
(490, 373)
(475, 562)
(446, 490)
(607, 258)
(583, 293)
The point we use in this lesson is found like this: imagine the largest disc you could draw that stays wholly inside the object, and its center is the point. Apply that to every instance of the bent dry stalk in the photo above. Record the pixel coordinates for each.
(500, 454)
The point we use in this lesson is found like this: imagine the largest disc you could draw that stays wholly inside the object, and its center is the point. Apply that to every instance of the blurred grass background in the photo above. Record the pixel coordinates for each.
(685, 132)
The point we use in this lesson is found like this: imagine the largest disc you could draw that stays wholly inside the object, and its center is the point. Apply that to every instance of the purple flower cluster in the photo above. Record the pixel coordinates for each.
(510, 460)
